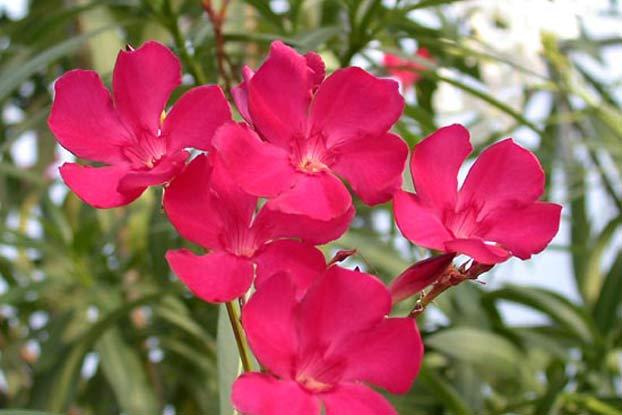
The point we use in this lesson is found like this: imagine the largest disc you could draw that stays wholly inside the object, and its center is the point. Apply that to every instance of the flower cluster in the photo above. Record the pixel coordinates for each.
(265, 191)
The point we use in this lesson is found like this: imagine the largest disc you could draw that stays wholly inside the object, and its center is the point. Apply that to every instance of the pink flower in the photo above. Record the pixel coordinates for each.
(418, 276)
(207, 208)
(318, 349)
(407, 71)
(308, 130)
(127, 133)
(495, 215)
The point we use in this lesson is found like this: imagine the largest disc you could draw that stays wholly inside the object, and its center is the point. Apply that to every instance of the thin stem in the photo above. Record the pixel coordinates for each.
(239, 337)
(217, 18)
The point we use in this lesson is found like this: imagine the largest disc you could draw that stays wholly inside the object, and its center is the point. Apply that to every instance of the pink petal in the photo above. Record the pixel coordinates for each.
(418, 276)
(478, 250)
(217, 277)
(320, 196)
(191, 206)
(504, 174)
(240, 94)
(340, 303)
(524, 230)
(260, 168)
(435, 164)
(84, 120)
(278, 224)
(302, 261)
(166, 169)
(316, 64)
(258, 394)
(388, 355)
(98, 186)
(352, 103)
(195, 117)
(352, 399)
(279, 95)
(142, 81)
(269, 322)
(419, 224)
(373, 166)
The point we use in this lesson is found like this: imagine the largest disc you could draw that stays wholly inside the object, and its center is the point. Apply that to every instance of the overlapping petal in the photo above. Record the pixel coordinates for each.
(279, 94)
(524, 230)
(98, 186)
(373, 166)
(479, 250)
(258, 394)
(418, 223)
(435, 164)
(353, 399)
(326, 312)
(195, 117)
(352, 103)
(387, 355)
(503, 175)
(302, 261)
(269, 322)
(84, 120)
(167, 168)
(192, 208)
(142, 81)
(216, 277)
(320, 196)
(259, 167)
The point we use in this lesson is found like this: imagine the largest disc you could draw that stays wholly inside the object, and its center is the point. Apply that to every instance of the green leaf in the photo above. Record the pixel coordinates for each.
(559, 309)
(126, 374)
(606, 308)
(25, 412)
(13, 75)
(228, 361)
(443, 391)
(486, 350)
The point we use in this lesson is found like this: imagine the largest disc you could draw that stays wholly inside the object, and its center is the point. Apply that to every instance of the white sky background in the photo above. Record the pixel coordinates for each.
(527, 18)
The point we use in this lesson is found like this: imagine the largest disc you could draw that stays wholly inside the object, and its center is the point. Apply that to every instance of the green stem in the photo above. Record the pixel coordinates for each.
(239, 337)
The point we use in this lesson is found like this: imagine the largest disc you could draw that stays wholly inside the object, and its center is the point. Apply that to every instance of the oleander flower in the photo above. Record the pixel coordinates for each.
(207, 208)
(323, 348)
(406, 70)
(495, 215)
(307, 130)
(130, 134)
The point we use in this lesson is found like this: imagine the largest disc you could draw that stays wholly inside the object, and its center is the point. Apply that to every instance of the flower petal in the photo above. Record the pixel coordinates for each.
(435, 164)
(316, 64)
(279, 95)
(142, 81)
(373, 166)
(503, 175)
(259, 394)
(302, 261)
(339, 303)
(418, 276)
(268, 320)
(352, 103)
(419, 224)
(98, 186)
(388, 355)
(166, 169)
(240, 94)
(260, 168)
(478, 250)
(217, 277)
(84, 120)
(191, 206)
(320, 196)
(523, 230)
(283, 225)
(352, 399)
(195, 117)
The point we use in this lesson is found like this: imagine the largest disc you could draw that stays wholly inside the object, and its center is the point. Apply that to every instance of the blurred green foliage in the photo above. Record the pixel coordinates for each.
(93, 322)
